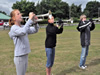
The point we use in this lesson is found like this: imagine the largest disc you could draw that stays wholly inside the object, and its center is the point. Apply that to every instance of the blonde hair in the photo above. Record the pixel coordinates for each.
(82, 16)
(12, 15)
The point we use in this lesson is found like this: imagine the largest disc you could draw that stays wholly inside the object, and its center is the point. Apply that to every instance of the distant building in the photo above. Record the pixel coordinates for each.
(4, 17)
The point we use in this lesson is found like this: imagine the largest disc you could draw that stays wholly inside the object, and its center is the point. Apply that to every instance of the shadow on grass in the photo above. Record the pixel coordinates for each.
(77, 69)
(73, 69)
(94, 62)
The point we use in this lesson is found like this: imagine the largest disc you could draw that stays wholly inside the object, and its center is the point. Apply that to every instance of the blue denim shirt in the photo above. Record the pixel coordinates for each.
(19, 35)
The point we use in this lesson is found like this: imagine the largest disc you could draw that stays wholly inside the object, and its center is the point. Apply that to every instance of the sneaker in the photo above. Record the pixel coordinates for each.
(85, 66)
(82, 67)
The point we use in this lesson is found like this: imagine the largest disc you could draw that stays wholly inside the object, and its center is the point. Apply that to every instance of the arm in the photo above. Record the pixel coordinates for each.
(82, 26)
(92, 26)
(17, 31)
(78, 26)
(54, 30)
(58, 31)
(33, 29)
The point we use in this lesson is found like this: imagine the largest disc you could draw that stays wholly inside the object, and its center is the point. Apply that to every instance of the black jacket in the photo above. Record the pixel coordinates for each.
(51, 32)
(84, 28)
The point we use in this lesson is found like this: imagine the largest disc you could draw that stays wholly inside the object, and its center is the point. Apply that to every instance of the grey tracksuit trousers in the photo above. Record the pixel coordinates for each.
(21, 64)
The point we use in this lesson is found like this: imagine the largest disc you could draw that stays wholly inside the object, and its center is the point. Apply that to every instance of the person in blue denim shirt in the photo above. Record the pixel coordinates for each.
(84, 28)
(50, 43)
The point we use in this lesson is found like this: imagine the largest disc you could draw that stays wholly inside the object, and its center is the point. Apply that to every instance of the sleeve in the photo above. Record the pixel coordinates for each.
(82, 26)
(59, 31)
(34, 29)
(17, 31)
(92, 26)
(78, 26)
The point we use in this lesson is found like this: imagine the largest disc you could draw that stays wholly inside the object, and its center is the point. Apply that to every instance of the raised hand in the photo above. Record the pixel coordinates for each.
(31, 15)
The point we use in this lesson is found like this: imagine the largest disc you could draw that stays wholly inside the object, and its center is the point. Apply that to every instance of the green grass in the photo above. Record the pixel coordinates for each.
(67, 56)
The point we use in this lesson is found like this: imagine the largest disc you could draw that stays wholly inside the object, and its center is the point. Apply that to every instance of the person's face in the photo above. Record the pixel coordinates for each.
(84, 19)
(51, 20)
(18, 16)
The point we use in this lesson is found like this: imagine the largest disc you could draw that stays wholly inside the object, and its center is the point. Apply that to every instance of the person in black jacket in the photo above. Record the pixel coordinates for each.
(84, 28)
(50, 43)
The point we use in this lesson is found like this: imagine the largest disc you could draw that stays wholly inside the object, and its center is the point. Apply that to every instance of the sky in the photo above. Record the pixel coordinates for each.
(6, 5)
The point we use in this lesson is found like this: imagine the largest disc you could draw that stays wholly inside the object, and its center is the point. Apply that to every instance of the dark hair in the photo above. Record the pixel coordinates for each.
(12, 14)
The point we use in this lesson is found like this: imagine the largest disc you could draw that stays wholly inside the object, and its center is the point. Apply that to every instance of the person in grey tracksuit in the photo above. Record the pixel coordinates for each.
(19, 35)
(84, 28)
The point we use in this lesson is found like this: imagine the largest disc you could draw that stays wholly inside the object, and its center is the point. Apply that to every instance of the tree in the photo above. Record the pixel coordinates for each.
(75, 10)
(91, 9)
(25, 7)
(3, 12)
(59, 9)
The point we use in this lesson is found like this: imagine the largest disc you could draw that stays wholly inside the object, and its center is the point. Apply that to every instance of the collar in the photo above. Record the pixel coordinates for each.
(50, 24)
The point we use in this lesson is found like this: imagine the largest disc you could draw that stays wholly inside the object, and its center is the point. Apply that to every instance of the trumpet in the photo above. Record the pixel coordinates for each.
(40, 17)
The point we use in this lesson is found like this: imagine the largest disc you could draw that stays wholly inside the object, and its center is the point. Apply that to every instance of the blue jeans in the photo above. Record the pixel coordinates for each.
(84, 54)
(50, 53)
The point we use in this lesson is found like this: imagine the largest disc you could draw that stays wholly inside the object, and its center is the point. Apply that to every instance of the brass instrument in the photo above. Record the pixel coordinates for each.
(49, 14)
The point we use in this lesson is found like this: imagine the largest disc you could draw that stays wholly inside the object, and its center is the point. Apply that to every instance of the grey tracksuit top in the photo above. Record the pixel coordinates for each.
(19, 35)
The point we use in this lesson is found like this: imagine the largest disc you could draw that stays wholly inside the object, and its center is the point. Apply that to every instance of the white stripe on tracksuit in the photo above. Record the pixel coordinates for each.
(85, 25)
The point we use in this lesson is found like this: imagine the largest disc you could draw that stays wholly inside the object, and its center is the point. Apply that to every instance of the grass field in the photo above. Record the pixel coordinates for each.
(67, 56)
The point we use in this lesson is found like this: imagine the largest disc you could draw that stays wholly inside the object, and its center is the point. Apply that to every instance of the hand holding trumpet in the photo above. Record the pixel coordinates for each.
(33, 17)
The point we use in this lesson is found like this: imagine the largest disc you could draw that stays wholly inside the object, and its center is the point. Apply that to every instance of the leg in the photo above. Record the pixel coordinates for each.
(21, 64)
(53, 56)
(48, 71)
(83, 56)
(49, 60)
(26, 62)
(87, 48)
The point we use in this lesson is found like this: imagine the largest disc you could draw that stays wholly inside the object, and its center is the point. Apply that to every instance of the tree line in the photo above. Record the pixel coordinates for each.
(59, 8)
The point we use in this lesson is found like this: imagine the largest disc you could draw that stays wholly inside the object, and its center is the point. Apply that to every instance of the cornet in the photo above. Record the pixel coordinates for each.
(49, 14)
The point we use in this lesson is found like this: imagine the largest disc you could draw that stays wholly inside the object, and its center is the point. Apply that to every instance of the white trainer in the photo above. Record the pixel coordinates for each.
(85, 66)
(82, 67)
